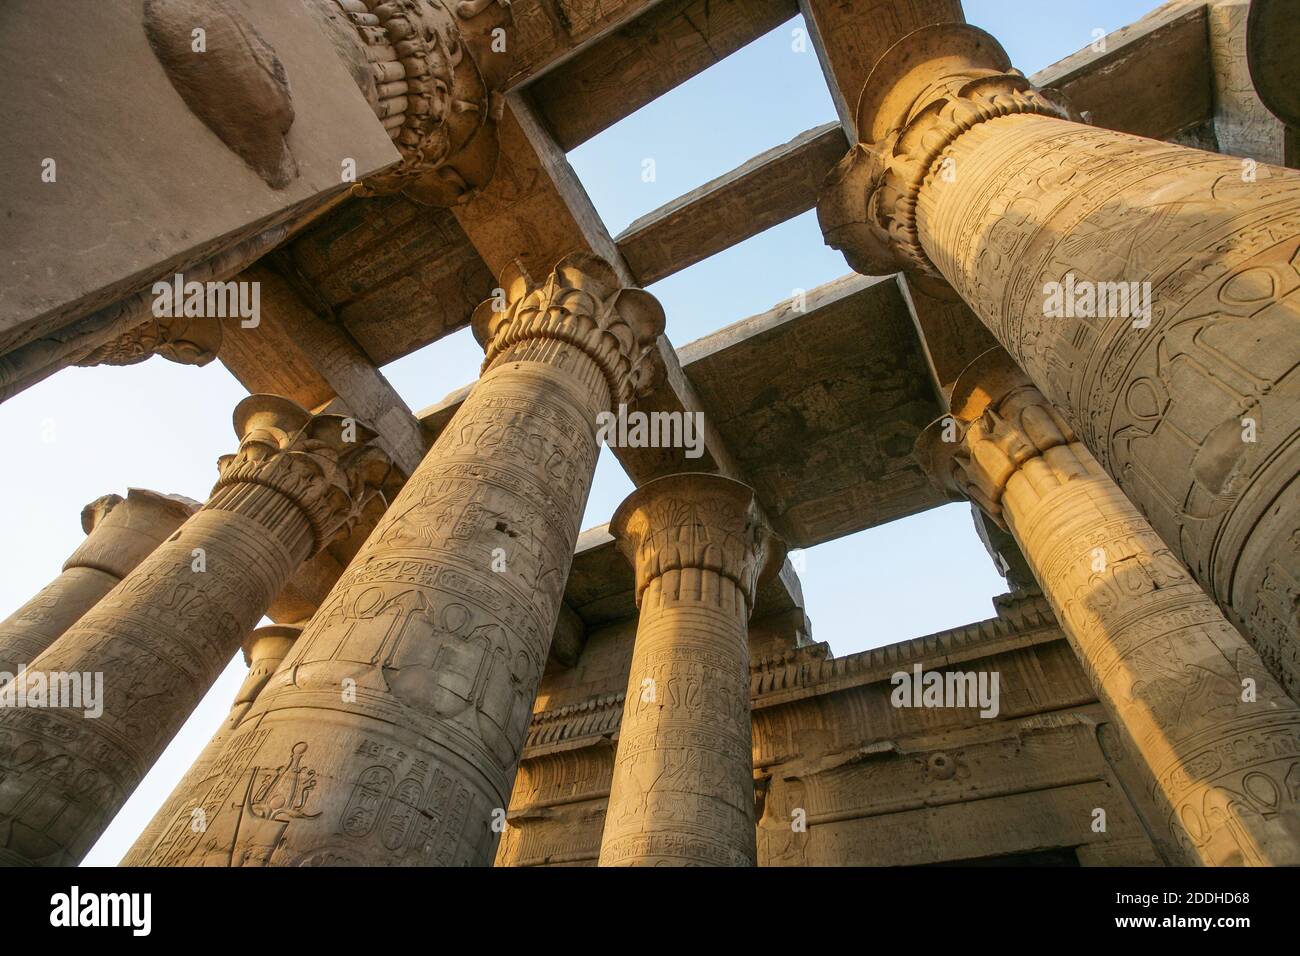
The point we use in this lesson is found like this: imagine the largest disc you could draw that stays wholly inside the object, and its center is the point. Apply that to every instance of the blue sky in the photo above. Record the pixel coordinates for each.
(88, 432)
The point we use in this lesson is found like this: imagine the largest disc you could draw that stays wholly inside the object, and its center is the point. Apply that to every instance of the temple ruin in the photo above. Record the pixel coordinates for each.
(456, 672)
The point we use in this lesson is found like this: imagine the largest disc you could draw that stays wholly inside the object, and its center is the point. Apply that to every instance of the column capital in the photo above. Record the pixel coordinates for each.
(264, 648)
(327, 465)
(581, 303)
(122, 532)
(188, 341)
(925, 91)
(697, 521)
(433, 71)
(99, 509)
(998, 424)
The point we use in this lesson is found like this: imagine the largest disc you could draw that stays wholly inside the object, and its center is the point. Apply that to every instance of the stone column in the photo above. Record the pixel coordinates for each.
(159, 639)
(392, 733)
(1219, 737)
(1151, 291)
(120, 533)
(264, 650)
(683, 786)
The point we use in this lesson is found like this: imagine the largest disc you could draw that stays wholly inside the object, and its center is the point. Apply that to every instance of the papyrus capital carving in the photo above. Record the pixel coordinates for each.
(328, 465)
(432, 71)
(930, 87)
(188, 341)
(696, 522)
(999, 423)
(582, 303)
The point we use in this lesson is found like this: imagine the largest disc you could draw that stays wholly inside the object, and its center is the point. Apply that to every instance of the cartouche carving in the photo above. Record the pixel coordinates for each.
(682, 790)
(1219, 737)
(1189, 402)
(162, 636)
(413, 685)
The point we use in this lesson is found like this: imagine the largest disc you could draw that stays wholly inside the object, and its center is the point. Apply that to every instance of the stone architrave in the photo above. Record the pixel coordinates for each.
(393, 731)
(160, 637)
(120, 533)
(1218, 736)
(683, 785)
(1151, 291)
(264, 650)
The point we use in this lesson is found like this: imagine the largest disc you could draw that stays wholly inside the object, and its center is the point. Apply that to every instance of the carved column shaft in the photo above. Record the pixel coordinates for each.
(406, 701)
(163, 635)
(683, 785)
(264, 650)
(1219, 737)
(120, 534)
(1151, 291)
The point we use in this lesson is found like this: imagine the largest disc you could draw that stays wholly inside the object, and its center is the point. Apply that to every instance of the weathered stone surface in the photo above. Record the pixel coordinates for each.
(237, 87)
(120, 533)
(1197, 422)
(1243, 126)
(264, 650)
(1216, 734)
(407, 698)
(185, 341)
(682, 790)
(1152, 78)
(432, 72)
(820, 401)
(162, 636)
(155, 159)
(769, 189)
(877, 784)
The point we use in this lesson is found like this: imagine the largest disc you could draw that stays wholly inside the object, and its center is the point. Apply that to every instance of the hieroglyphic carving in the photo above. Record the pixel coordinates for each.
(1243, 126)
(1194, 409)
(1219, 737)
(432, 71)
(413, 685)
(682, 791)
(264, 651)
(120, 533)
(161, 637)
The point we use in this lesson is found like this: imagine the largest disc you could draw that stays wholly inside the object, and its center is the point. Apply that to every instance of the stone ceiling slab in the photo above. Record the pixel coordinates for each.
(821, 407)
